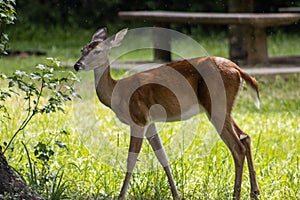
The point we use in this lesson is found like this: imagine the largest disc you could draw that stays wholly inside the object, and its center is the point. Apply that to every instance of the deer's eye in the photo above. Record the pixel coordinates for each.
(93, 44)
(97, 52)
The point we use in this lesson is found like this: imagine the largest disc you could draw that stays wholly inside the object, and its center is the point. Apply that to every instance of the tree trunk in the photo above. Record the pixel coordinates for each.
(10, 185)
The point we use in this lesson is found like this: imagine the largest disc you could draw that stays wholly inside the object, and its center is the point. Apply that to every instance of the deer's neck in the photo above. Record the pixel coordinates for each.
(104, 84)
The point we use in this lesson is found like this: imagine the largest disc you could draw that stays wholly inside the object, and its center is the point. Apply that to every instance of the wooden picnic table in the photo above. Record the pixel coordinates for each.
(256, 36)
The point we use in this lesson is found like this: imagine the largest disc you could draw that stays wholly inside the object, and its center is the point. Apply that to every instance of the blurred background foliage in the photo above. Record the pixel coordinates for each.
(95, 13)
(7, 16)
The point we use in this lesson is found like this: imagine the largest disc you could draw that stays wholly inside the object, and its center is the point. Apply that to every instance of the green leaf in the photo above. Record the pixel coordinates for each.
(25, 87)
(35, 76)
(50, 152)
(68, 87)
(3, 76)
(5, 36)
(74, 94)
(43, 157)
(12, 83)
(4, 95)
(53, 62)
(41, 67)
(2, 15)
(51, 85)
(20, 74)
(36, 152)
(58, 93)
(61, 145)
(64, 132)
(66, 97)
(48, 75)
(61, 109)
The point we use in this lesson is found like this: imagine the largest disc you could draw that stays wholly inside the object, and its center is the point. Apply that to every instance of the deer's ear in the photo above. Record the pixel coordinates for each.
(101, 34)
(118, 38)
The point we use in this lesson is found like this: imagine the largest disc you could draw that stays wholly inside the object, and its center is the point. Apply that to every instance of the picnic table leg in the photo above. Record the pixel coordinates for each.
(257, 46)
(162, 45)
(238, 43)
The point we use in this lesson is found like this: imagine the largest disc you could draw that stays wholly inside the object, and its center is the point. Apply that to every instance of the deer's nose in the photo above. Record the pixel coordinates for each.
(77, 66)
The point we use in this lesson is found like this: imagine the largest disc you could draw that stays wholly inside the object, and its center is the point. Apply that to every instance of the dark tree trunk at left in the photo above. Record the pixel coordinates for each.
(10, 184)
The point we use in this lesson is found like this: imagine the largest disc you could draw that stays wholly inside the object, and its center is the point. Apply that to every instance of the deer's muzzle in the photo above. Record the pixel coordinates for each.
(77, 66)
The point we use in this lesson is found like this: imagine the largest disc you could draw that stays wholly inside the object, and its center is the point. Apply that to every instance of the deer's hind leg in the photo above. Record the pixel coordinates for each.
(238, 152)
(246, 140)
(218, 105)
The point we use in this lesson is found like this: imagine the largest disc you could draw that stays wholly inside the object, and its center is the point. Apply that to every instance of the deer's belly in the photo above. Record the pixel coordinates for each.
(192, 111)
(159, 114)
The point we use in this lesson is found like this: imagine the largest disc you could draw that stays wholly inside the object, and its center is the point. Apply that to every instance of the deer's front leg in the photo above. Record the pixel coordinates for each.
(136, 141)
(161, 155)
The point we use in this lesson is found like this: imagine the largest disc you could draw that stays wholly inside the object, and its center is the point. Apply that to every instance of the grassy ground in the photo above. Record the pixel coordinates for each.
(95, 159)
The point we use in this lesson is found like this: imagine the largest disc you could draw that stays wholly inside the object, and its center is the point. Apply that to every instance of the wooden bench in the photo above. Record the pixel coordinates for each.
(290, 9)
(256, 36)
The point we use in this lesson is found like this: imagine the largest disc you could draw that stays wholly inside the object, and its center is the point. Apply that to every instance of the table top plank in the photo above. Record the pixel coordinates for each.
(289, 9)
(254, 19)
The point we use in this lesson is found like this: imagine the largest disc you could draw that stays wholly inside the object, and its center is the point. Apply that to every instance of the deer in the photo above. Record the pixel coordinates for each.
(172, 92)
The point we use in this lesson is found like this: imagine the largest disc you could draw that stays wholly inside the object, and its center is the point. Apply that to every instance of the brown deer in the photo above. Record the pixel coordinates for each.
(172, 92)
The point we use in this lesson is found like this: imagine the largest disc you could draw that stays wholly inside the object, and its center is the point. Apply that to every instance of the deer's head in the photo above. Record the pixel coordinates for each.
(95, 53)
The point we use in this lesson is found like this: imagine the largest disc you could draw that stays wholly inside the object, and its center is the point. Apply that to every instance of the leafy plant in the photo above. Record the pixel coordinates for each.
(41, 177)
(3, 96)
(33, 86)
(43, 91)
(7, 16)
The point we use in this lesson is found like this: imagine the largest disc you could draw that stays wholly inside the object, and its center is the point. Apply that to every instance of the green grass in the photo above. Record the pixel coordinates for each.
(95, 160)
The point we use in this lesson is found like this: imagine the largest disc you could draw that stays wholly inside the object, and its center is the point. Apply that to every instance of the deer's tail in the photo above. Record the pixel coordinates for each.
(253, 84)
